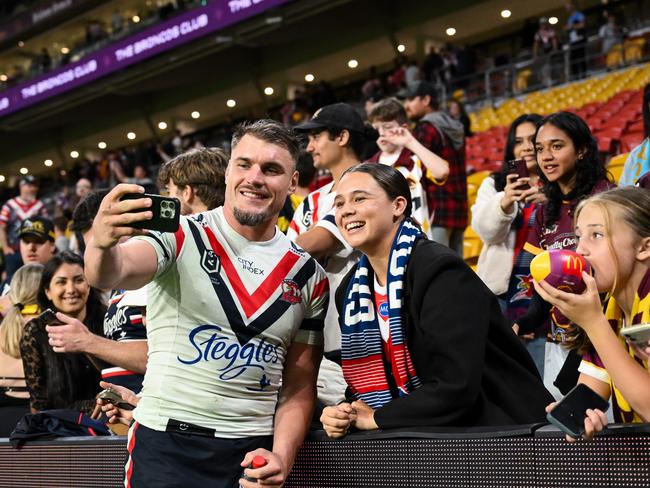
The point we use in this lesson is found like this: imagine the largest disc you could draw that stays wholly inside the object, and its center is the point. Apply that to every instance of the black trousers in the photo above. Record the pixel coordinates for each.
(179, 460)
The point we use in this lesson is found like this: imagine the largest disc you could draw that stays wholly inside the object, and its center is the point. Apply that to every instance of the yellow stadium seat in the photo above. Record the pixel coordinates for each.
(615, 166)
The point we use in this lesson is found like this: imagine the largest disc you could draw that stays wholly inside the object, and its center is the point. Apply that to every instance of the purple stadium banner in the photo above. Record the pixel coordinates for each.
(134, 49)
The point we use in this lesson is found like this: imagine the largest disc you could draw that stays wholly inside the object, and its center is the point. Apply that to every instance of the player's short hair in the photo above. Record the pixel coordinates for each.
(203, 169)
(387, 110)
(269, 131)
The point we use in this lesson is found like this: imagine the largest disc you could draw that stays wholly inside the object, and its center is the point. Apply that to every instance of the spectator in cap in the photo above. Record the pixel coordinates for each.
(443, 135)
(337, 137)
(24, 206)
(36, 244)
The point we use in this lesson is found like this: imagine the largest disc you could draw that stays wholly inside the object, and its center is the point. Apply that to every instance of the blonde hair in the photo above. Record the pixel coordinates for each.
(24, 286)
(629, 205)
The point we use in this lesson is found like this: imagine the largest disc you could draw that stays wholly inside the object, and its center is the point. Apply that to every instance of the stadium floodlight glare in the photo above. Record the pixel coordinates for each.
(65, 50)
(230, 103)
(48, 162)
(401, 48)
(268, 90)
(162, 125)
(196, 114)
(74, 154)
(135, 19)
(101, 145)
(553, 20)
(353, 63)
(24, 171)
(450, 31)
(309, 77)
(2, 178)
(505, 13)
(131, 136)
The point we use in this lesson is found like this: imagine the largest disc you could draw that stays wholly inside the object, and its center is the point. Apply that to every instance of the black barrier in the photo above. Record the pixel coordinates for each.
(524, 456)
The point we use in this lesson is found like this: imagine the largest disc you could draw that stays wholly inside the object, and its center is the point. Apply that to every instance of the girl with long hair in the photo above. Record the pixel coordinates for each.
(62, 380)
(14, 397)
(571, 170)
(414, 353)
(613, 229)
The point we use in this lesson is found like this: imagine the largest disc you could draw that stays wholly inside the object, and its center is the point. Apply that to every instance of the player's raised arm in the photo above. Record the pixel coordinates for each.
(109, 264)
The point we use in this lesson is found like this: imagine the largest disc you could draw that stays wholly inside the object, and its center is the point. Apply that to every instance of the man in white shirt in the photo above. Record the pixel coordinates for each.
(236, 311)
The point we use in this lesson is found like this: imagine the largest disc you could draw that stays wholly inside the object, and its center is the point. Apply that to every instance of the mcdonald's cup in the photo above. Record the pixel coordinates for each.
(560, 268)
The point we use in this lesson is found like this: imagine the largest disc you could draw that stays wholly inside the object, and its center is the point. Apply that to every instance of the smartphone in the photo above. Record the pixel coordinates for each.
(638, 334)
(570, 412)
(166, 212)
(518, 167)
(48, 317)
(111, 396)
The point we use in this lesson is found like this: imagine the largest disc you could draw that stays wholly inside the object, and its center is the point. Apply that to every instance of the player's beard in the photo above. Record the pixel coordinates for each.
(250, 219)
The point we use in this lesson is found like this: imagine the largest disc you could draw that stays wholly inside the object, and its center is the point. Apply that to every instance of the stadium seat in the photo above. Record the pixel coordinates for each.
(615, 166)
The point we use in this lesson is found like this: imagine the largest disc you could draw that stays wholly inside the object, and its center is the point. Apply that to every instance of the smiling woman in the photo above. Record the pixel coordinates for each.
(413, 352)
(62, 380)
(567, 155)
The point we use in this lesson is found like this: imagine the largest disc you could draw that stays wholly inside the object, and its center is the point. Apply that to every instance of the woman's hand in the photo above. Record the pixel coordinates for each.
(533, 195)
(513, 192)
(583, 309)
(595, 421)
(365, 416)
(337, 420)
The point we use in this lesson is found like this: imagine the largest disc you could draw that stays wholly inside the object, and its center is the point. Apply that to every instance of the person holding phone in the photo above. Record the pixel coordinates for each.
(414, 353)
(501, 215)
(234, 310)
(567, 155)
(613, 230)
(65, 380)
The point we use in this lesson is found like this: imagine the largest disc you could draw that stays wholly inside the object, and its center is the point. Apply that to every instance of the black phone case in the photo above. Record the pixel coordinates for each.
(569, 414)
(166, 212)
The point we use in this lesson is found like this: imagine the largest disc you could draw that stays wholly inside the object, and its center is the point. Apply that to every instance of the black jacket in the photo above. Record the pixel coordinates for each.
(473, 368)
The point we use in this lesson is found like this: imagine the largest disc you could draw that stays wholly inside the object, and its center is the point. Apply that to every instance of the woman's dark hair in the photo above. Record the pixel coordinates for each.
(646, 111)
(64, 370)
(389, 179)
(509, 152)
(589, 168)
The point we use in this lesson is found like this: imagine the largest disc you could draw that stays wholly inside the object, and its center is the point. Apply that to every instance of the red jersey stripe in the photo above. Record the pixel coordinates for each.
(180, 239)
(252, 303)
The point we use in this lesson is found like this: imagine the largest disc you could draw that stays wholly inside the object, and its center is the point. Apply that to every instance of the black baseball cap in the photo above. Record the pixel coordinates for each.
(28, 180)
(38, 227)
(337, 116)
(421, 89)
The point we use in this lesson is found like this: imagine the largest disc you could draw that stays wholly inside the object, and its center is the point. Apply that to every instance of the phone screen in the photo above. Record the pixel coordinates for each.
(569, 414)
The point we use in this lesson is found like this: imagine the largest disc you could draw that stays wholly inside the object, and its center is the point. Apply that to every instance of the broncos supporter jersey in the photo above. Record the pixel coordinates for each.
(593, 366)
(317, 210)
(222, 312)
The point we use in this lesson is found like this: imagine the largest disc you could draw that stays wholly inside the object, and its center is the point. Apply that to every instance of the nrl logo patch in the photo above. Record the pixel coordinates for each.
(307, 218)
(211, 263)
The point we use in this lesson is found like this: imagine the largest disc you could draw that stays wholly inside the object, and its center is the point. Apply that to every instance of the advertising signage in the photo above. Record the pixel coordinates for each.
(134, 49)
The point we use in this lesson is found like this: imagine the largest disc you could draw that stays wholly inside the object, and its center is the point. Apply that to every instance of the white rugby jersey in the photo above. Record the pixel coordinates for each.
(414, 177)
(222, 312)
(317, 209)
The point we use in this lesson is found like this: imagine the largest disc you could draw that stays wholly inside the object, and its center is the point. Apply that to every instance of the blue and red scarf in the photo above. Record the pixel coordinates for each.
(362, 347)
